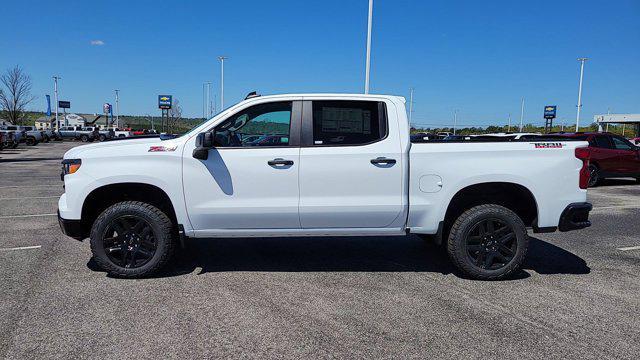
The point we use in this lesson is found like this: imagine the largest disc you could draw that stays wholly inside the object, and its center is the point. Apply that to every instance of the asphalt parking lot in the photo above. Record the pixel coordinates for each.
(577, 297)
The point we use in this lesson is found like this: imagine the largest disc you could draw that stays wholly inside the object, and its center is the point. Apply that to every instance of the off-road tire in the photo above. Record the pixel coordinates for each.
(31, 141)
(163, 231)
(461, 228)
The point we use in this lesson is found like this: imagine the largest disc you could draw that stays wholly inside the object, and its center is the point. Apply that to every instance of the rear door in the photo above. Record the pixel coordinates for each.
(350, 165)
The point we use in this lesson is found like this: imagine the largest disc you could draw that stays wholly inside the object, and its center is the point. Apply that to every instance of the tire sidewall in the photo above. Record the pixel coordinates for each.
(465, 223)
(152, 216)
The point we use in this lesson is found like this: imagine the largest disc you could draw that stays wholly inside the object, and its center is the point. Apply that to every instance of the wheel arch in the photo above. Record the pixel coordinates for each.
(513, 196)
(104, 196)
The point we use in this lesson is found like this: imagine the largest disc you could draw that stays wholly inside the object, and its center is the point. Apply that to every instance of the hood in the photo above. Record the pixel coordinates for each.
(116, 145)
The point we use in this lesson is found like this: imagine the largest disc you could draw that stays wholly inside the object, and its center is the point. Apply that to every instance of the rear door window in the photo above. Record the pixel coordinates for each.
(341, 123)
(602, 142)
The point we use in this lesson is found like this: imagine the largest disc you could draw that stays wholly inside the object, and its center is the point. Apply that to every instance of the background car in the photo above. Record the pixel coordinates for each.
(611, 156)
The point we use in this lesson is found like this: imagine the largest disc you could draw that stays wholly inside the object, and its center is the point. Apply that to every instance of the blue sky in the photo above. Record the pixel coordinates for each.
(479, 57)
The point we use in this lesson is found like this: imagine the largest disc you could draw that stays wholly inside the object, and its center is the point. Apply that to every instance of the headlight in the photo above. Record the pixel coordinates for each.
(70, 166)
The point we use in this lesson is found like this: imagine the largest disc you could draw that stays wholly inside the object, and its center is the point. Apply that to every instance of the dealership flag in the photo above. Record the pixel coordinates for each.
(48, 105)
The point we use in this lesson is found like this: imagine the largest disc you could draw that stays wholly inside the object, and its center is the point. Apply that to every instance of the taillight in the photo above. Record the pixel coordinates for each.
(584, 153)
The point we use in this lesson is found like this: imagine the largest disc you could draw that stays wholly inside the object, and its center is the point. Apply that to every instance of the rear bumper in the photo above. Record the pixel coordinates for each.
(575, 216)
(71, 228)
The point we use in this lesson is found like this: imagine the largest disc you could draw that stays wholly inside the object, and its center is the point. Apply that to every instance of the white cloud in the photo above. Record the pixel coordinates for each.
(97, 42)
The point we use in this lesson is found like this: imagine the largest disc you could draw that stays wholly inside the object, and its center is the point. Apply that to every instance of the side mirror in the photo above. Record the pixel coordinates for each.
(204, 142)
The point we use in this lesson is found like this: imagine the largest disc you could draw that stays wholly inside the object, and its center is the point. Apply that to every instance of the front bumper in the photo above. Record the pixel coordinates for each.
(71, 228)
(575, 216)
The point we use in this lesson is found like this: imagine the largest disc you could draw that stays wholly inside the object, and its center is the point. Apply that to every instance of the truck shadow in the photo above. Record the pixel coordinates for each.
(349, 254)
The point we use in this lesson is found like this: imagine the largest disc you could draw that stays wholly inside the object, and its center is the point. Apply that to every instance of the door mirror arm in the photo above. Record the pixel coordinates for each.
(204, 142)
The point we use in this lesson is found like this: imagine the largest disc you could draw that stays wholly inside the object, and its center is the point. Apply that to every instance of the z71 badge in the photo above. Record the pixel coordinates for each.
(554, 145)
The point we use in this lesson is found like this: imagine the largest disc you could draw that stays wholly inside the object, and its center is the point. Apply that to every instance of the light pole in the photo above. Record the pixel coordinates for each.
(582, 60)
(521, 113)
(151, 120)
(204, 101)
(55, 92)
(368, 61)
(208, 102)
(509, 126)
(117, 108)
(222, 59)
(410, 105)
(455, 121)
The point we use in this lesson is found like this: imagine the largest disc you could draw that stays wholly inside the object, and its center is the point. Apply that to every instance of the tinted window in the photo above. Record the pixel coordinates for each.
(260, 125)
(347, 122)
(602, 142)
(621, 144)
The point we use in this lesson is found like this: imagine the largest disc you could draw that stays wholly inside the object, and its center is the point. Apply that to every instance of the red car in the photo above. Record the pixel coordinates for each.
(611, 156)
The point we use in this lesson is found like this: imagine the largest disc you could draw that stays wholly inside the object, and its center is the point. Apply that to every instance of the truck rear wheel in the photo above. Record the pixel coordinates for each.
(84, 138)
(132, 239)
(488, 242)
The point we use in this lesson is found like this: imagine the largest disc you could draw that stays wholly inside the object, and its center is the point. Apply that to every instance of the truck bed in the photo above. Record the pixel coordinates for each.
(440, 169)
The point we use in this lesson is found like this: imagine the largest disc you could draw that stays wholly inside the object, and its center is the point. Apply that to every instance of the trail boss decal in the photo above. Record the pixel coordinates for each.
(554, 145)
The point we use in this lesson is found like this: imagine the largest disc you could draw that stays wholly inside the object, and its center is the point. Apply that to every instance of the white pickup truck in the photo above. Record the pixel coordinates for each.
(326, 165)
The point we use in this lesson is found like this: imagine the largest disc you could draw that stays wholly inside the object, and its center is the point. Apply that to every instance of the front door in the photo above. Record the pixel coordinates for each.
(250, 179)
(628, 156)
(350, 169)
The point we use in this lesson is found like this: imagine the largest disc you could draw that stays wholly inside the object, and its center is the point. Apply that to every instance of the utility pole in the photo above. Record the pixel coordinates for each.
(117, 108)
(521, 113)
(608, 112)
(582, 60)
(455, 121)
(368, 61)
(222, 59)
(55, 92)
(410, 105)
(509, 126)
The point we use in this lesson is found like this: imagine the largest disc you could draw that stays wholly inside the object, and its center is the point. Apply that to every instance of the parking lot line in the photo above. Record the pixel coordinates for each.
(616, 207)
(21, 248)
(25, 186)
(26, 215)
(629, 248)
(31, 197)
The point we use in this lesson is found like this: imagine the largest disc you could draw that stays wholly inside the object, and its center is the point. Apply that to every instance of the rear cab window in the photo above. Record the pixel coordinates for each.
(348, 122)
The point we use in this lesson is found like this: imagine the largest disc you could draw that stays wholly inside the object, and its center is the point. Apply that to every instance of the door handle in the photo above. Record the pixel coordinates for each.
(383, 160)
(279, 161)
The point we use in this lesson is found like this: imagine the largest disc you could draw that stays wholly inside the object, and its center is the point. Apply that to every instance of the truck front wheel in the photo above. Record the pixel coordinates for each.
(132, 239)
(488, 242)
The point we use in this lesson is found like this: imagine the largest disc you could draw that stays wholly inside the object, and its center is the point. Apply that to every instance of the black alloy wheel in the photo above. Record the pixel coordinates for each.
(491, 244)
(488, 242)
(129, 241)
(132, 239)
